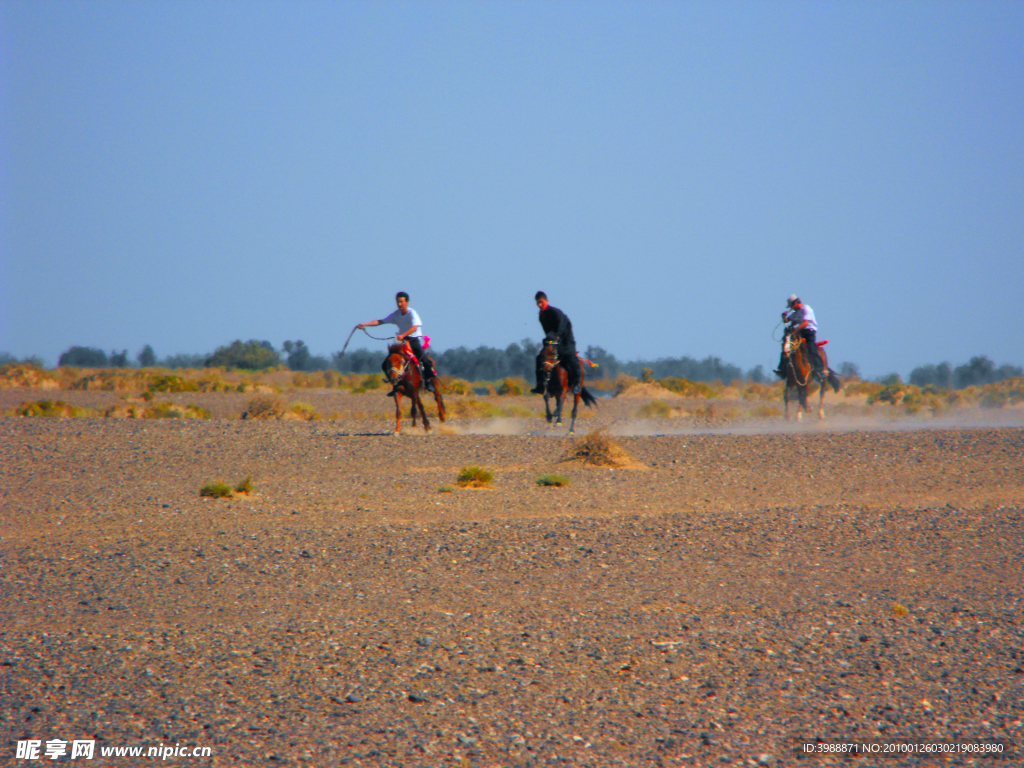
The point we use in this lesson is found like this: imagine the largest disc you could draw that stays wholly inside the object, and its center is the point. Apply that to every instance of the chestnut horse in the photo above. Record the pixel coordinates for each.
(404, 374)
(800, 373)
(556, 384)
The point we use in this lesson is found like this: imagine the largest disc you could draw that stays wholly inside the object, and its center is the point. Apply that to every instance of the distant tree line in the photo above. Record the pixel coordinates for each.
(492, 363)
(980, 370)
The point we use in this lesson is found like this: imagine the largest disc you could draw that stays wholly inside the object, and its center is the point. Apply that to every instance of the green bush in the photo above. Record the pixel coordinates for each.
(474, 477)
(217, 490)
(245, 486)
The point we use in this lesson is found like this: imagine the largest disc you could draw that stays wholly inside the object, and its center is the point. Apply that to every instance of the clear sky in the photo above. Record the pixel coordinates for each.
(183, 174)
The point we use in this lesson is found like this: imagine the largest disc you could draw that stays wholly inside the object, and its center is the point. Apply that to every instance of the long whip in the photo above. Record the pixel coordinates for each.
(356, 328)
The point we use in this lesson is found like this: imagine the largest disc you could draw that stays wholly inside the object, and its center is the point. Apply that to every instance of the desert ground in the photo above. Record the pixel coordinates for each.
(724, 593)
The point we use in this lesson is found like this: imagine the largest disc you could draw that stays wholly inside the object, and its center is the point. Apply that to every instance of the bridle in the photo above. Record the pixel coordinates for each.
(790, 348)
(550, 361)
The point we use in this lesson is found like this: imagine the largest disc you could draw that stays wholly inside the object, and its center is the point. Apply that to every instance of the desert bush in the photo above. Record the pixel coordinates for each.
(369, 382)
(552, 481)
(26, 375)
(598, 449)
(513, 386)
(891, 392)
(250, 355)
(171, 383)
(245, 485)
(218, 489)
(264, 407)
(656, 409)
(471, 408)
(869, 388)
(623, 382)
(456, 386)
(688, 388)
(446, 488)
(168, 410)
(474, 477)
(53, 409)
(705, 411)
(83, 357)
(300, 411)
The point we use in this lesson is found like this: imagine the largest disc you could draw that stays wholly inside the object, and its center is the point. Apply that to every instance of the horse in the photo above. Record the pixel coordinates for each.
(558, 384)
(403, 372)
(800, 373)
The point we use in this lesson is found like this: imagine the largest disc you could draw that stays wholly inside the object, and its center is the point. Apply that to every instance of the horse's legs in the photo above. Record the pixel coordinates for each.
(558, 408)
(547, 406)
(575, 407)
(440, 403)
(423, 412)
(785, 399)
(398, 413)
(821, 401)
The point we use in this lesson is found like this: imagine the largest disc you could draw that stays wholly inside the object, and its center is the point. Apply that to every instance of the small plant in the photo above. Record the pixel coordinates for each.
(302, 412)
(474, 477)
(245, 486)
(446, 488)
(513, 386)
(553, 481)
(217, 490)
(899, 610)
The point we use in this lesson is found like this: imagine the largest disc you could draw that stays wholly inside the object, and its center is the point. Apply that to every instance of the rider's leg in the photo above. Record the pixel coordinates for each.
(567, 353)
(812, 348)
(781, 370)
(539, 389)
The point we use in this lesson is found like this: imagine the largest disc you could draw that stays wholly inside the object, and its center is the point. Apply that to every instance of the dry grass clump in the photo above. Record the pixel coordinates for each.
(474, 477)
(218, 489)
(598, 450)
(53, 409)
(456, 386)
(265, 407)
(301, 412)
(25, 375)
(513, 385)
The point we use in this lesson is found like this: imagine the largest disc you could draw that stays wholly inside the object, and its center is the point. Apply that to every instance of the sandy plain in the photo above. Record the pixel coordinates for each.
(751, 588)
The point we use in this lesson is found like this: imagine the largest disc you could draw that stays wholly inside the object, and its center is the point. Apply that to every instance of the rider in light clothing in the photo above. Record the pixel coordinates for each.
(801, 318)
(410, 329)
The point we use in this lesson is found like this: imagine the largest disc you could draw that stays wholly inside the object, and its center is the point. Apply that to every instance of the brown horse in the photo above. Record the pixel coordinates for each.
(556, 384)
(800, 374)
(404, 374)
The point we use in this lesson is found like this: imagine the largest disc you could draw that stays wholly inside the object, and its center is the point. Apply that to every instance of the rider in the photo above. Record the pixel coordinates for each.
(410, 330)
(801, 320)
(557, 327)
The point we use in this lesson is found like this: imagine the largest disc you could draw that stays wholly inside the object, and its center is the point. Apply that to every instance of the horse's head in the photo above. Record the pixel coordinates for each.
(398, 361)
(792, 343)
(550, 354)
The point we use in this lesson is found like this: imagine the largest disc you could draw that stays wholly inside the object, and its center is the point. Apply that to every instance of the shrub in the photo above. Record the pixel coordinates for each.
(553, 481)
(264, 407)
(168, 410)
(171, 383)
(446, 488)
(301, 412)
(474, 477)
(217, 490)
(600, 450)
(371, 381)
(52, 409)
(245, 486)
(656, 409)
(513, 386)
(456, 386)
(687, 388)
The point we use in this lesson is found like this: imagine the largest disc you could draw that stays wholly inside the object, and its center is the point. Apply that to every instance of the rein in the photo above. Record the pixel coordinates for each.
(793, 347)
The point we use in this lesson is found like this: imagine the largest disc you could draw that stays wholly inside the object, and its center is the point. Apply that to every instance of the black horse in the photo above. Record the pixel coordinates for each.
(556, 384)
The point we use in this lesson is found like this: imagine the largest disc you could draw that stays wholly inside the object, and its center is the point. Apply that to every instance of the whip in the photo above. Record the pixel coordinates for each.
(356, 328)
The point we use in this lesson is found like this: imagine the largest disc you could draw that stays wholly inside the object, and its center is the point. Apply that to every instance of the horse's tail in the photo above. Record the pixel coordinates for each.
(587, 398)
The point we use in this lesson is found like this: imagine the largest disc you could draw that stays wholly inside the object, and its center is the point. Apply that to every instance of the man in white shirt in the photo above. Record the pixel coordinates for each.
(801, 318)
(410, 329)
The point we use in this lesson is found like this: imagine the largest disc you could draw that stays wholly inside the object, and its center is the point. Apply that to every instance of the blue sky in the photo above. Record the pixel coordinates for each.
(183, 174)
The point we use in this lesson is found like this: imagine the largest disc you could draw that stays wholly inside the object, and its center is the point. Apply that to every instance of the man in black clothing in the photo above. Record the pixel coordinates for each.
(558, 327)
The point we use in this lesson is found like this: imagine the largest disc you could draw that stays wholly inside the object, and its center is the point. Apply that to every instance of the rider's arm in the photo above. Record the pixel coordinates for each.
(371, 323)
(412, 330)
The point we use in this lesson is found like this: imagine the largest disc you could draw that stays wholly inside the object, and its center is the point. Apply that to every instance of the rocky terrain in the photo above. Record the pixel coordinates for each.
(726, 600)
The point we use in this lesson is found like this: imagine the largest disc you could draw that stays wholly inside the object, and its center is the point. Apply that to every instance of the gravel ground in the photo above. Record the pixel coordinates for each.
(736, 597)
